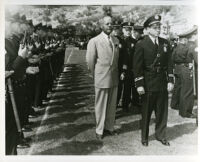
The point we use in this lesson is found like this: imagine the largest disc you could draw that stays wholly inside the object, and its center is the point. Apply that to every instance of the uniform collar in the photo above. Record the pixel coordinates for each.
(153, 39)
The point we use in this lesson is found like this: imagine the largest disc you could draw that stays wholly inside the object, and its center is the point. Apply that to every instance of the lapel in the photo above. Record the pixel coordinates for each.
(150, 42)
(105, 43)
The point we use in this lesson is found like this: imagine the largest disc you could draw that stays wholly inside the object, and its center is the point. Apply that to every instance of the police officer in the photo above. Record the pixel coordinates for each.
(184, 78)
(179, 58)
(128, 47)
(117, 33)
(137, 32)
(153, 76)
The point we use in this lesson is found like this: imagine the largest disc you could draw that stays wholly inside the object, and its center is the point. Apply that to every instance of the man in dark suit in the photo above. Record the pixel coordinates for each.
(153, 76)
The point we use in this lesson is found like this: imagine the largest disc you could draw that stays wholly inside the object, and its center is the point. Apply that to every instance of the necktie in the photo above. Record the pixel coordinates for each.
(156, 45)
(110, 43)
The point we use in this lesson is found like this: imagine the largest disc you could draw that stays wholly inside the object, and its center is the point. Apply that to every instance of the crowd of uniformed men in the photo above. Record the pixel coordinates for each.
(34, 57)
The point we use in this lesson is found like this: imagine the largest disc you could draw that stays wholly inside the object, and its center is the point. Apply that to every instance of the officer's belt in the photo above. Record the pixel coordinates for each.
(183, 64)
(156, 69)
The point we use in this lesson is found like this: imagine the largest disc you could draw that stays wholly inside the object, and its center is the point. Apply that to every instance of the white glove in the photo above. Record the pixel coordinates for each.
(141, 90)
(190, 65)
(32, 70)
(122, 76)
(170, 87)
(23, 52)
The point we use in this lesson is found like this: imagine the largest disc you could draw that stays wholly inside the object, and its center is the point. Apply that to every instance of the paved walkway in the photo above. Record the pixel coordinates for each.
(68, 124)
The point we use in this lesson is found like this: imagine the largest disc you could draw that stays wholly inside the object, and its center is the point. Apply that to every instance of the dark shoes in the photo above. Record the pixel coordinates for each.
(106, 133)
(23, 145)
(190, 116)
(27, 128)
(164, 142)
(145, 143)
(99, 136)
(109, 133)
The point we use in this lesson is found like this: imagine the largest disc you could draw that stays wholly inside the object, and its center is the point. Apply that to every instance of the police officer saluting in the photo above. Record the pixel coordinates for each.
(153, 76)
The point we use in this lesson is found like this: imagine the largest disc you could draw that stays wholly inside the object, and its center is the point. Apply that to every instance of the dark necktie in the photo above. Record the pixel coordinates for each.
(156, 45)
(110, 43)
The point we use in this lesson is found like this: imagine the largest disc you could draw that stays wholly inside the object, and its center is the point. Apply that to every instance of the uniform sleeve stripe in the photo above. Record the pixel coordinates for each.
(139, 78)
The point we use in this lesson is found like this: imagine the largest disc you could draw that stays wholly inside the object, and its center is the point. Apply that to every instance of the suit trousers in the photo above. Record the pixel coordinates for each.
(105, 108)
(157, 101)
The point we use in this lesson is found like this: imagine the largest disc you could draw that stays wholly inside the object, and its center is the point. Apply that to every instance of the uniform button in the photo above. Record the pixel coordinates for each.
(159, 63)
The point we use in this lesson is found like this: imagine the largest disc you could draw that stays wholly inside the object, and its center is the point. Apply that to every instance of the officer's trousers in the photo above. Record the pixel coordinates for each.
(186, 94)
(157, 101)
(176, 93)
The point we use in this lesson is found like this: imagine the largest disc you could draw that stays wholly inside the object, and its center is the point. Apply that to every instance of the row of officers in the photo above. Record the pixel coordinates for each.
(34, 57)
(138, 67)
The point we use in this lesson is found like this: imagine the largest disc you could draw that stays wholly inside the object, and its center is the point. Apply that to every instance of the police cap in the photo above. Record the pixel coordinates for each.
(139, 29)
(127, 24)
(188, 33)
(152, 20)
(116, 23)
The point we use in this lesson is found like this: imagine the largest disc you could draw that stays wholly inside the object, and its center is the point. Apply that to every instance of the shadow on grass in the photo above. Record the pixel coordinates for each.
(63, 131)
(178, 131)
(74, 148)
(132, 126)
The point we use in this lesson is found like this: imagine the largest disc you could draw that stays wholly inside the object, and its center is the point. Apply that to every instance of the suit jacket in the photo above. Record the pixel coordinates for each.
(145, 54)
(103, 61)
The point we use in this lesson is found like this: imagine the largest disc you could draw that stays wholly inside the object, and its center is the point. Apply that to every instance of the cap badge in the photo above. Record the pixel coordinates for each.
(158, 55)
(129, 24)
(156, 17)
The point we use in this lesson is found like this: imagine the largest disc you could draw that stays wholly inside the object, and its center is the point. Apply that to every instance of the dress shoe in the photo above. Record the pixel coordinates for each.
(32, 116)
(164, 142)
(145, 143)
(110, 133)
(26, 128)
(99, 136)
(27, 140)
(23, 145)
(190, 116)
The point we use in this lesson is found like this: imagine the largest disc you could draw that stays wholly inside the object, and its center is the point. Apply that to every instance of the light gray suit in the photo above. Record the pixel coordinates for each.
(102, 61)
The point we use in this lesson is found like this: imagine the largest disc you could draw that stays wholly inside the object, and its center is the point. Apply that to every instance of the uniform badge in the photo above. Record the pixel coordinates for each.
(132, 45)
(165, 47)
(120, 46)
(156, 17)
(158, 55)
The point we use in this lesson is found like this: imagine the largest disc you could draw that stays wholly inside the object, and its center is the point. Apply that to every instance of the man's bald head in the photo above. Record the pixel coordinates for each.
(106, 24)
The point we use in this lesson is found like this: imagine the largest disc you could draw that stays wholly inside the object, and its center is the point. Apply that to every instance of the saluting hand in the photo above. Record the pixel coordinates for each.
(170, 87)
(23, 51)
(141, 90)
(122, 76)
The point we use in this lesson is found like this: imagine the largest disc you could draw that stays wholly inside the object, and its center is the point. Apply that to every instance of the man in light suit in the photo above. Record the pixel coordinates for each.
(102, 59)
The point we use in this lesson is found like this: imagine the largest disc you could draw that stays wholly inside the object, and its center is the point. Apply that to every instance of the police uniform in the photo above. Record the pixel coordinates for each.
(153, 70)
(128, 48)
(117, 26)
(184, 98)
